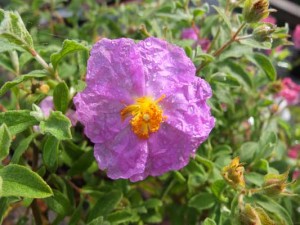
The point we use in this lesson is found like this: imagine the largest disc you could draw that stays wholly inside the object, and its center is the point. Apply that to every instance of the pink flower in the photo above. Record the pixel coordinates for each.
(296, 36)
(143, 107)
(296, 174)
(294, 151)
(47, 106)
(290, 91)
(192, 34)
(270, 19)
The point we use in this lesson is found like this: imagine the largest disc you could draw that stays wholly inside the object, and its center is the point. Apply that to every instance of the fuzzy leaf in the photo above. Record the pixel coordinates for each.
(5, 141)
(69, 46)
(202, 201)
(61, 97)
(105, 204)
(50, 153)
(59, 203)
(266, 65)
(13, 29)
(34, 74)
(22, 147)
(16, 180)
(58, 125)
(17, 121)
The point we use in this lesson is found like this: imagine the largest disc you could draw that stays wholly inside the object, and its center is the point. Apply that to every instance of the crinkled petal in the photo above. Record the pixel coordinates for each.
(188, 111)
(100, 116)
(165, 66)
(115, 69)
(169, 149)
(124, 156)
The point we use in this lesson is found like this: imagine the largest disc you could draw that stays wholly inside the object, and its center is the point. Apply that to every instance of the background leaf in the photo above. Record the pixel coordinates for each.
(58, 125)
(5, 141)
(61, 97)
(17, 120)
(16, 180)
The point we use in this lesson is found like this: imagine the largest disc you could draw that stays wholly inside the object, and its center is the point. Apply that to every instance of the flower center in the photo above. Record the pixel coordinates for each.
(146, 116)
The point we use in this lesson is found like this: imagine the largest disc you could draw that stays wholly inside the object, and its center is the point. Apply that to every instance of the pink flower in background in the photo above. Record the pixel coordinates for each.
(294, 151)
(143, 107)
(192, 34)
(290, 91)
(47, 106)
(296, 36)
(270, 19)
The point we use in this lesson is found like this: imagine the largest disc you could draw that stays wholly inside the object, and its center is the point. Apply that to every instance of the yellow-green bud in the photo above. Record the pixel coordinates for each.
(275, 184)
(44, 88)
(264, 32)
(256, 10)
(234, 173)
(249, 216)
(255, 216)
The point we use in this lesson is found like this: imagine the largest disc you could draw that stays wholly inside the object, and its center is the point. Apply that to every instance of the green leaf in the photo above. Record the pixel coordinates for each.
(153, 203)
(82, 164)
(202, 201)
(105, 204)
(22, 147)
(17, 121)
(61, 97)
(223, 16)
(6, 46)
(209, 221)
(272, 206)
(266, 65)
(255, 44)
(3, 208)
(69, 46)
(238, 70)
(16, 180)
(59, 203)
(5, 141)
(121, 217)
(267, 144)
(58, 125)
(50, 153)
(224, 78)
(34, 74)
(248, 151)
(13, 29)
(98, 221)
(217, 189)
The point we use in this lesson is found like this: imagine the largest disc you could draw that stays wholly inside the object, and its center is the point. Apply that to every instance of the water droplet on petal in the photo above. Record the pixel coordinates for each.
(191, 109)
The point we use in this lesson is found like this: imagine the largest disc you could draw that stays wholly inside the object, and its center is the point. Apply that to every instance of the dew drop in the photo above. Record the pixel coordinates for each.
(148, 43)
(191, 109)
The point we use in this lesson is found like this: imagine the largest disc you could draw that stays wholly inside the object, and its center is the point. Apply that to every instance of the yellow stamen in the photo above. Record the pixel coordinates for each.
(146, 116)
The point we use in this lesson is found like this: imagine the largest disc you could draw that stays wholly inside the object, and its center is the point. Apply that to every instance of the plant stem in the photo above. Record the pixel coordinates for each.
(223, 47)
(233, 38)
(36, 212)
(44, 64)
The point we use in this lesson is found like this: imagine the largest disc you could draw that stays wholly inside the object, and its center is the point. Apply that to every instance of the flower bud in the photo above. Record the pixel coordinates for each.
(264, 33)
(234, 173)
(249, 216)
(256, 10)
(275, 184)
(44, 88)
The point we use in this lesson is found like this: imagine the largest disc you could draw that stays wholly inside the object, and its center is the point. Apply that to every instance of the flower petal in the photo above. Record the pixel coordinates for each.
(123, 157)
(116, 66)
(169, 149)
(165, 66)
(100, 115)
(188, 111)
